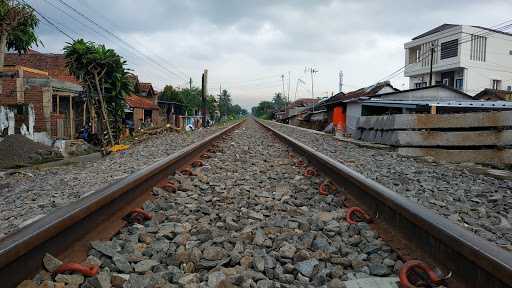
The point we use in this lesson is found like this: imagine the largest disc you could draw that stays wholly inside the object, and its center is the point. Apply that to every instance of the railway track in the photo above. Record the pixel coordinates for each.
(413, 232)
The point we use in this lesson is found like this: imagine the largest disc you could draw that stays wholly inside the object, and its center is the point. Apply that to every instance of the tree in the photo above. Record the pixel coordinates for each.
(17, 27)
(236, 110)
(103, 75)
(225, 105)
(191, 99)
(172, 95)
(279, 102)
(211, 105)
(263, 110)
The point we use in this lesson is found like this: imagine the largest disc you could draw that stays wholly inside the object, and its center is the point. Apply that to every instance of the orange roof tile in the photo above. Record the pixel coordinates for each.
(140, 102)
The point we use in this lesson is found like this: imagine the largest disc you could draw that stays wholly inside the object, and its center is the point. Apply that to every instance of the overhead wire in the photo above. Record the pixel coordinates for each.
(113, 24)
(51, 23)
(119, 39)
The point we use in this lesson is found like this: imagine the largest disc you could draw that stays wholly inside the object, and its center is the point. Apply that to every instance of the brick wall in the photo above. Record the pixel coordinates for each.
(8, 95)
(55, 64)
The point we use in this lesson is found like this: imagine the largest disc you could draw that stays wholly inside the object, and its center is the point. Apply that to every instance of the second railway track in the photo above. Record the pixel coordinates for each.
(252, 217)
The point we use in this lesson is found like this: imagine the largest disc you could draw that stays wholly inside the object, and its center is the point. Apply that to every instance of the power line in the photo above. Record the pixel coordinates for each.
(118, 38)
(106, 19)
(49, 21)
(75, 19)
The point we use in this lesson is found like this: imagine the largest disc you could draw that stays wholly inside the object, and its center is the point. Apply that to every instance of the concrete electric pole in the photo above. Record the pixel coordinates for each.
(204, 92)
(341, 81)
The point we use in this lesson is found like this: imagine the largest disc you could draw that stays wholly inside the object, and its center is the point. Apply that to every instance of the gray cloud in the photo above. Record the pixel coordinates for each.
(239, 41)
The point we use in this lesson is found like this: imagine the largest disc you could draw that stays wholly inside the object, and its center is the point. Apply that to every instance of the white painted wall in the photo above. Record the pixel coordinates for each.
(445, 64)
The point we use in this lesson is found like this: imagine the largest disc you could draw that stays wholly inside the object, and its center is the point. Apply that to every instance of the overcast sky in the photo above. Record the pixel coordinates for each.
(247, 45)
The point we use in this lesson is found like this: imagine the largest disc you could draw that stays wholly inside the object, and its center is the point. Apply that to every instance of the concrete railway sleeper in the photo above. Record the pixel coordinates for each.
(251, 213)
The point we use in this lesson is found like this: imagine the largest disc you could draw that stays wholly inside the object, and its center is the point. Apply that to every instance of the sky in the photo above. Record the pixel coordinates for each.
(248, 46)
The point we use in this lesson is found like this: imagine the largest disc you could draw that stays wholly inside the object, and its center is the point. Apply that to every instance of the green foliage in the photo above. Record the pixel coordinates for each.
(279, 102)
(18, 25)
(266, 109)
(172, 95)
(192, 100)
(263, 110)
(103, 74)
(225, 105)
(211, 105)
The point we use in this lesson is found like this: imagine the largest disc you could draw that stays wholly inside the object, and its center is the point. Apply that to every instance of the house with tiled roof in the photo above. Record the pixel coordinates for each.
(142, 105)
(42, 96)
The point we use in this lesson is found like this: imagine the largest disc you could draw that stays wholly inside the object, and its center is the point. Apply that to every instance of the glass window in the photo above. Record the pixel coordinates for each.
(459, 84)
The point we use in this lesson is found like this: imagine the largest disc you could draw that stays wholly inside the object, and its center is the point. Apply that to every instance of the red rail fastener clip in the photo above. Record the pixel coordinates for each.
(424, 272)
(197, 163)
(205, 156)
(138, 216)
(300, 163)
(310, 172)
(187, 172)
(88, 271)
(326, 188)
(359, 212)
(170, 186)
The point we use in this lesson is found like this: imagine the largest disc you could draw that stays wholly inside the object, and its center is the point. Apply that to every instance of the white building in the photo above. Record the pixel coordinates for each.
(468, 58)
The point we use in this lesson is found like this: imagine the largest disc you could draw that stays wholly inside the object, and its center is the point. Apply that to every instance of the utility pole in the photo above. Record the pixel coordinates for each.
(341, 81)
(431, 63)
(296, 89)
(312, 71)
(204, 92)
(289, 74)
(282, 78)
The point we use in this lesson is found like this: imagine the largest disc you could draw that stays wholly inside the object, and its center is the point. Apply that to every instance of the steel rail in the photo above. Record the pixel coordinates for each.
(474, 262)
(67, 231)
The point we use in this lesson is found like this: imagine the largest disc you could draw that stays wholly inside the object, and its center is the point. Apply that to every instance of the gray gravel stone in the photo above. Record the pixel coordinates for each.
(258, 223)
(307, 267)
(457, 191)
(23, 197)
(51, 263)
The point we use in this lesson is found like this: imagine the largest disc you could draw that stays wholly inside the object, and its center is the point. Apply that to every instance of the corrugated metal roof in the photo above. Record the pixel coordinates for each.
(465, 104)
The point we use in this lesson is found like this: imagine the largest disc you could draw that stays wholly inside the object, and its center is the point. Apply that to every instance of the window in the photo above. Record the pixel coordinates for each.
(446, 82)
(496, 84)
(450, 49)
(509, 88)
(417, 85)
(478, 48)
(414, 54)
(459, 84)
